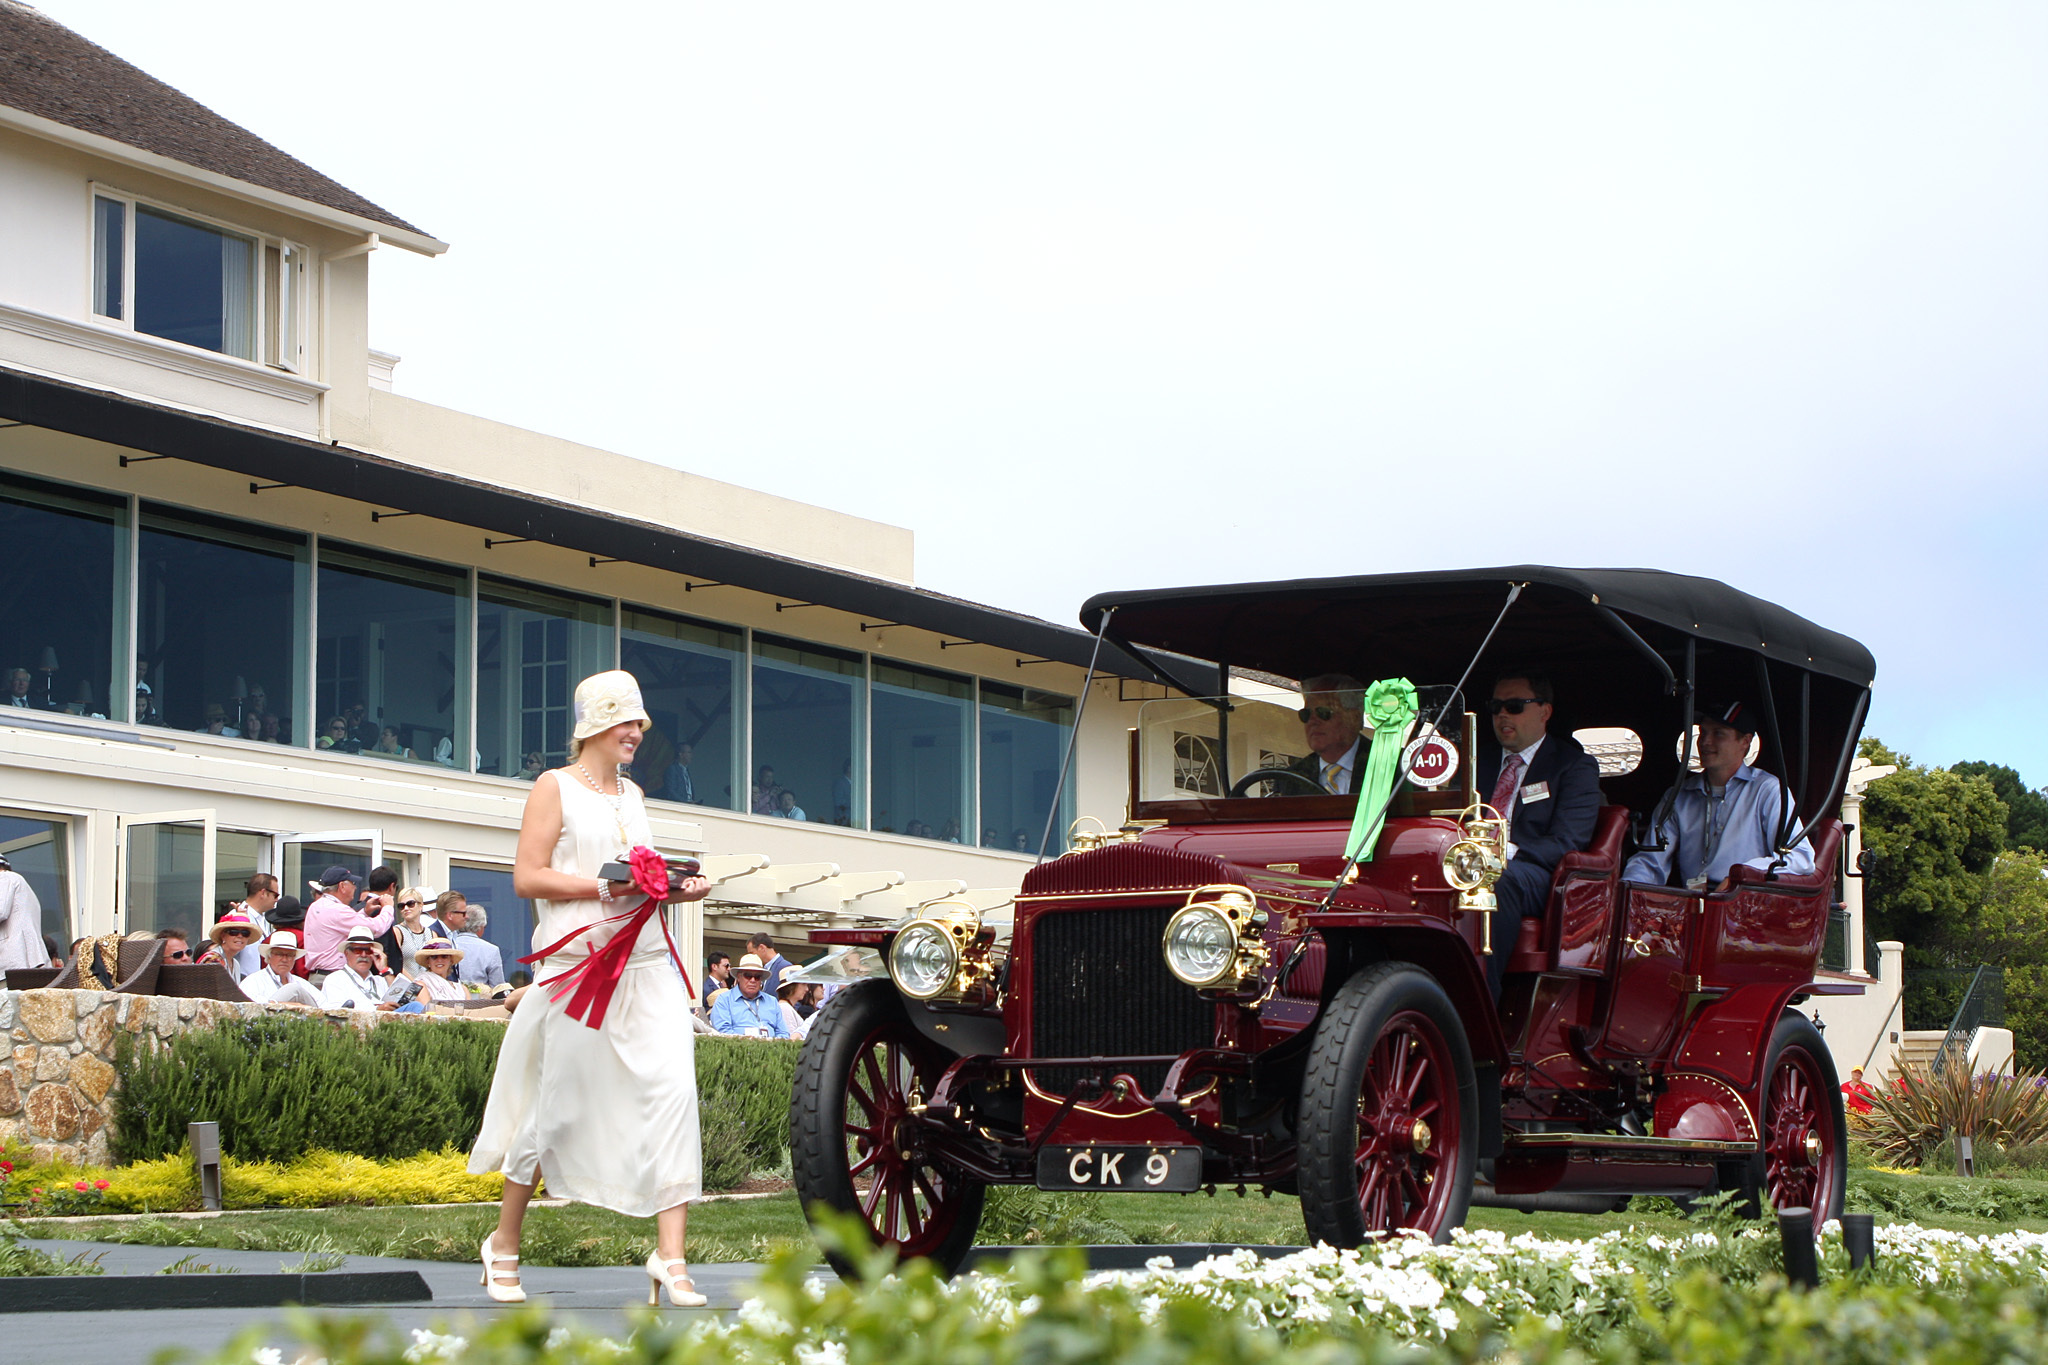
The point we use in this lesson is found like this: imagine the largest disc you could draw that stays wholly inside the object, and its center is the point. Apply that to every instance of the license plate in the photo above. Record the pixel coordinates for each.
(1155, 1169)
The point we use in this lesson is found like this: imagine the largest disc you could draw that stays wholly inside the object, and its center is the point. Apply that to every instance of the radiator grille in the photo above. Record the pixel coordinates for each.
(1100, 988)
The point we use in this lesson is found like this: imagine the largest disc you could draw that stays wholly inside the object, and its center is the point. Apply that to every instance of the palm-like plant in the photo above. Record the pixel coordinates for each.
(1912, 1116)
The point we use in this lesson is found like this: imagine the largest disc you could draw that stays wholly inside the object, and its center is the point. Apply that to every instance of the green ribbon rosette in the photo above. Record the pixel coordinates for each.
(1389, 705)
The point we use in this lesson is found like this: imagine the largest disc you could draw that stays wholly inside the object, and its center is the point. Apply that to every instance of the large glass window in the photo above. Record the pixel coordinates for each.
(164, 868)
(1023, 742)
(922, 751)
(689, 674)
(391, 677)
(532, 648)
(223, 605)
(61, 600)
(40, 851)
(808, 714)
(508, 920)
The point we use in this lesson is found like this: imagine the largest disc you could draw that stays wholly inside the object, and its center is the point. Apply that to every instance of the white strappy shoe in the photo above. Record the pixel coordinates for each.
(658, 1279)
(512, 1292)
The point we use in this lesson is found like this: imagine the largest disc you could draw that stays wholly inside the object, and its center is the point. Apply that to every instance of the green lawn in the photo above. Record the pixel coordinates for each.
(750, 1230)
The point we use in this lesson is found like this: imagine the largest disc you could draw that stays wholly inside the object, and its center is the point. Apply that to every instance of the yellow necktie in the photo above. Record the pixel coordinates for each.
(1333, 778)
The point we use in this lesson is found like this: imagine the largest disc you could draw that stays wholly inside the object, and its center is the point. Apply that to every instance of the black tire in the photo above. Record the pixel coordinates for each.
(1364, 1174)
(1805, 1158)
(846, 1119)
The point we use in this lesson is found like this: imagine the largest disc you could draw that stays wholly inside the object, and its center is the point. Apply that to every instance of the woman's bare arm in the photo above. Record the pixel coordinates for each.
(539, 829)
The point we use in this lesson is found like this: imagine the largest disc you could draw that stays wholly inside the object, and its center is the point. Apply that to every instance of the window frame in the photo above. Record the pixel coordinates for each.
(278, 333)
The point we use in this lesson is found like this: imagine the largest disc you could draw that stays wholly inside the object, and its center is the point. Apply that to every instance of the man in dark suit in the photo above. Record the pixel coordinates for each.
(1548, 787)
(1332, 724)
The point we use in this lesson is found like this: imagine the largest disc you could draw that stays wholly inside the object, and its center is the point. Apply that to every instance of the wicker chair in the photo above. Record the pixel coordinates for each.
(141, 959)
(198, 981)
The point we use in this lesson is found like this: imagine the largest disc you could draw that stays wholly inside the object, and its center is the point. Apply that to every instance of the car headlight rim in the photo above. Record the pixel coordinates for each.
(924, 960)
(1201, 934)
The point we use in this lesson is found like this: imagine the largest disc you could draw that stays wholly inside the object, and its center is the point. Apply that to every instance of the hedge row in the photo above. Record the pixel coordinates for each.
(280, 1087)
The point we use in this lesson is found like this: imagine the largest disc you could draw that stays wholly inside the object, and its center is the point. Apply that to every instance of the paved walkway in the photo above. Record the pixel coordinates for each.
(594, 1300)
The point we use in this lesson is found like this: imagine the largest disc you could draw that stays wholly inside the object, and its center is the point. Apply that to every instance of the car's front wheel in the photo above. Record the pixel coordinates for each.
(1388, 1126)
(854, 1146)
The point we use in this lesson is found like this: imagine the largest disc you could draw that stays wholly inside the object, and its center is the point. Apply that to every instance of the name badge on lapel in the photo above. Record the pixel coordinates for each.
(1534, 792)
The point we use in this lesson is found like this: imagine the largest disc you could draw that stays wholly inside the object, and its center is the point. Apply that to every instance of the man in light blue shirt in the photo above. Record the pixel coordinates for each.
(747, 1010)
(1724, 815)
(482, 964)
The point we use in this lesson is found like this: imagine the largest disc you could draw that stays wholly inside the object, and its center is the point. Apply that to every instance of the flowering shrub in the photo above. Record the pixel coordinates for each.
(1910, 1117)
(1703, 1299)
(52, 1198)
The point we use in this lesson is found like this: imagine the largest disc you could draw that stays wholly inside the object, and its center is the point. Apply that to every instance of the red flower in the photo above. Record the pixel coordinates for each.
(81, 1185)
(100, 1185)
(650, 873)
(6, 1168)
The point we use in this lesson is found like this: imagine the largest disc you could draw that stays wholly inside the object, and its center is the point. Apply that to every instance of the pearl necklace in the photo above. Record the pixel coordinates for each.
(617, 801)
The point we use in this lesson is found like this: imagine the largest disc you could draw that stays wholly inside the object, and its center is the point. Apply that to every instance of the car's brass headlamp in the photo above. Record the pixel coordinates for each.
(1216, 941)
(944, 955)
(1475, 862)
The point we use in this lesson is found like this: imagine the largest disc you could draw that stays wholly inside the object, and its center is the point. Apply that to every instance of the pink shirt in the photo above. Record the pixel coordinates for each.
(327, 924)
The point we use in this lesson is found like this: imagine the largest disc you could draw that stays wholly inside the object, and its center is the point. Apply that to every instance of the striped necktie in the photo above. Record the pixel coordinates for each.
(1504, 790)
(1333, 778)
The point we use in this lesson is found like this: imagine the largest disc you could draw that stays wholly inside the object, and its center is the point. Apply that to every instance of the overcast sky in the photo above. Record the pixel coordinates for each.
(1104, 296)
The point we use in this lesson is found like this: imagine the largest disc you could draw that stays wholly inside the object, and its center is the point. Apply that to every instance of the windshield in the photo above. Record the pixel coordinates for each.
(1190, 748)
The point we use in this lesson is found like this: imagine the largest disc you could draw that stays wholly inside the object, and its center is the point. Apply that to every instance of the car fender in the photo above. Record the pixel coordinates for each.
(1728, 1035)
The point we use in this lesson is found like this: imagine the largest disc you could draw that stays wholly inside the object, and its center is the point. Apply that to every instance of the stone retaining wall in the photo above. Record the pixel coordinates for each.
(57, 1094)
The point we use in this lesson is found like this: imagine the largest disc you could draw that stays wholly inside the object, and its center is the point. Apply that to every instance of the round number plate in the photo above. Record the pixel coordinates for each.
(1430, 761)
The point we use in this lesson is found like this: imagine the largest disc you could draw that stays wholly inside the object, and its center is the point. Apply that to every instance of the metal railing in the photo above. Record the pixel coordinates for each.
(1970, 1016)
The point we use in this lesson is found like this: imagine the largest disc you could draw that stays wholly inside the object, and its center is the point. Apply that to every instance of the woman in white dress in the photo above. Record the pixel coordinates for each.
(608, 1112)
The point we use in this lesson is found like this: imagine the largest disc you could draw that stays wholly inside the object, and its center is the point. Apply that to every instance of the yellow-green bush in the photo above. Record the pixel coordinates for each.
(317, 1179)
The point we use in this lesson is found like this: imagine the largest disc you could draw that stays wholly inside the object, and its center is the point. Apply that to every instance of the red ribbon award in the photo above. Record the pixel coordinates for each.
(596, 977)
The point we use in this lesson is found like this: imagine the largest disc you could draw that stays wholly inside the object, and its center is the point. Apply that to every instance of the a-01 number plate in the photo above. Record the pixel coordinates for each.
(1161, 1170)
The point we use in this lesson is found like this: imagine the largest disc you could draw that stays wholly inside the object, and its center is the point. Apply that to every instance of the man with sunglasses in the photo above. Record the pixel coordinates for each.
(1332, 725)
(1548, 787)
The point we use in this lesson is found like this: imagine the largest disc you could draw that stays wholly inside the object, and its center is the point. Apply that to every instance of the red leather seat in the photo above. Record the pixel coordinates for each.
(1534, 948)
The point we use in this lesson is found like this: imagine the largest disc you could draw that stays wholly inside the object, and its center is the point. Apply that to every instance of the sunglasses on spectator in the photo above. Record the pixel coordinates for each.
(238, 933)
(1318, 712)
(182, 955)
(407, 905)
(1512, 705)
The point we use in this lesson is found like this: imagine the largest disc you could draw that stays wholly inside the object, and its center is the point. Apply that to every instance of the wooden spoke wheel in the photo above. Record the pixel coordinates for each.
(1388, 1135)
(1805, 1140)
(854, 1145)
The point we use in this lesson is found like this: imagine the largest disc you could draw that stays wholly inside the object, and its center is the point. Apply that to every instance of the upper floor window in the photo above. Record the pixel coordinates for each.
(189, 281)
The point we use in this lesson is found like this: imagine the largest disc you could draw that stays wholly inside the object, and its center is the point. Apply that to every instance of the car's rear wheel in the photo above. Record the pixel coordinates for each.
(853, 1144)
(1805, 1157)
(1388, 1130)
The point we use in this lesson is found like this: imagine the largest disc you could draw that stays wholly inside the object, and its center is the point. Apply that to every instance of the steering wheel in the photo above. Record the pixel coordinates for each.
(1239, 787)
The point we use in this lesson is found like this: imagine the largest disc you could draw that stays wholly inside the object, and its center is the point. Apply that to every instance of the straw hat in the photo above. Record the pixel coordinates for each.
(233, 919)
(282, 939)
(751, 963)
(607, 699)
(437, 947)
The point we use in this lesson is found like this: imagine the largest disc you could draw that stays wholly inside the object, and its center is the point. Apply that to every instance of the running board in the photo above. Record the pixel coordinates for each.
(1622, 1142)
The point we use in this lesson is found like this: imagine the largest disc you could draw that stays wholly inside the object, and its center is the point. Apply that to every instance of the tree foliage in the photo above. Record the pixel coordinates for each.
(2026, 819)
(1935, 834)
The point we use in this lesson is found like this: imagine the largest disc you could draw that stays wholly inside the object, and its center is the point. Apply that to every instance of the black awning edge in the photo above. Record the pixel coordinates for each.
(379, 481)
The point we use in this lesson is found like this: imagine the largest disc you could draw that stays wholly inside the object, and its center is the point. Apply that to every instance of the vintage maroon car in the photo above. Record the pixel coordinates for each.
(1214, 995)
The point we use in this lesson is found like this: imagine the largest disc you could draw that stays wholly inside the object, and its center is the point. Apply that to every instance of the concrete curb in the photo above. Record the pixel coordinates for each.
(111, 1293)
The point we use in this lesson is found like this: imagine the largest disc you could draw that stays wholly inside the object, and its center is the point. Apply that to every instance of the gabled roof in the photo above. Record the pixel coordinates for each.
(50, 72)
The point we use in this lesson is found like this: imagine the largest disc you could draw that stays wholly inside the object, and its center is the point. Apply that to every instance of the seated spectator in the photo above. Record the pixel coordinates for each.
(482, 963)
(767, 796)
(388, 745)
(336, 736)
(991, 837)
(1020, 840)
(436, 981)
(749, 1011)
(1723, 815)
(787, 808)
(234, 945)
(276, 984)
(177, 946)
(146, 712)
(361, 728)
(951, 832)
(797, 1009)
(533, 767)
(217, 722)
(356, 985)
(18, 680)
